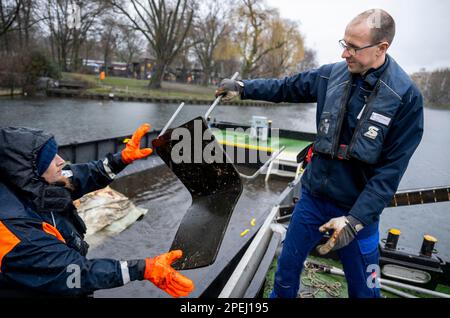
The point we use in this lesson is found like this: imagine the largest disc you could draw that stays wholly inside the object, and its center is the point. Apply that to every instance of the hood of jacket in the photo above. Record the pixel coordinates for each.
(19, 148)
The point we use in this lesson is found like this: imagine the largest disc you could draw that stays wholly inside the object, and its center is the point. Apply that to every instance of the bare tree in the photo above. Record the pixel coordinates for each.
(282, 60)
(28, 21)
(309, 60)
(91, 13)
(227, 56)
(165, 24)
(108, 41)
(24, 34)
(254, 17)
(57, 17)
(67, 35)
(24, 21)
(209, 30)
(130, 44)
(11, 74)
(9, 10)
(437, 88)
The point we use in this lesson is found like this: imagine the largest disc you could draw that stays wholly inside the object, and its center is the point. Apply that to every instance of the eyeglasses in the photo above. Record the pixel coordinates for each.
(352, 50)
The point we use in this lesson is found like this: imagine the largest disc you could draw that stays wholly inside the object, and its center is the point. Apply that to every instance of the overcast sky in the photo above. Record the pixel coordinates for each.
(423, 28)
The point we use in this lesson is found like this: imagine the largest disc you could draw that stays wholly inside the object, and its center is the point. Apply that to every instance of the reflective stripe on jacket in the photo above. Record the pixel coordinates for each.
(44, 252)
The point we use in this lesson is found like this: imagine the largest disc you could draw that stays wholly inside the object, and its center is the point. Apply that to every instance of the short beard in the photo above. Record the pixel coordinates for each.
(66, 183)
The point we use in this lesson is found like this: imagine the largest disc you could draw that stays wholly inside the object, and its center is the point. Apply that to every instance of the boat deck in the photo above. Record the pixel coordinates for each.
(243, 140)
(331, 286)
(158, 190)
(284, 165)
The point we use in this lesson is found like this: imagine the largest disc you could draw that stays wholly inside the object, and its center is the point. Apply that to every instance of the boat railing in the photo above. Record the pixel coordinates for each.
(249, 275)
(97, 149)
(248, 278)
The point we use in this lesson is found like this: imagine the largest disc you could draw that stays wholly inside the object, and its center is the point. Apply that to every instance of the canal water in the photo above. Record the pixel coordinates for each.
(74, 120)
(166, 198)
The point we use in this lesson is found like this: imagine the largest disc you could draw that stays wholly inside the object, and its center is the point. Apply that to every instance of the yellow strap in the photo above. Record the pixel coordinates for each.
(246, 146)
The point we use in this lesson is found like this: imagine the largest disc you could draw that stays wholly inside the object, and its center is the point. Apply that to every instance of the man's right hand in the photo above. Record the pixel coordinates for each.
(159, 271)
(229, 89)
(344, 229)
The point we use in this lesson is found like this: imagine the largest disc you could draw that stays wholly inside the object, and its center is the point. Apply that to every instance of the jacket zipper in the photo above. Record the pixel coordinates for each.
(53, 219)
(362, 120)
(334, 148)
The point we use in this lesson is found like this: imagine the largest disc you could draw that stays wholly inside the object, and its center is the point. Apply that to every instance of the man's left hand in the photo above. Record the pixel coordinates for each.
(229, 89)
(344, 231)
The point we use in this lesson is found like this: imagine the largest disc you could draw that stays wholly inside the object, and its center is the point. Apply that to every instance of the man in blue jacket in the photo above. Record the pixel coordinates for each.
(42, 247)
(369, 123)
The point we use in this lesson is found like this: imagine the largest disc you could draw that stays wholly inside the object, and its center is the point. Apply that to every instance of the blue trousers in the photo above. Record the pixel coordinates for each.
(359, 258)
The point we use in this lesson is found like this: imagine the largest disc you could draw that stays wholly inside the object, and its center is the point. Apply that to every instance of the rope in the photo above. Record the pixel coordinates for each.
(311, 279)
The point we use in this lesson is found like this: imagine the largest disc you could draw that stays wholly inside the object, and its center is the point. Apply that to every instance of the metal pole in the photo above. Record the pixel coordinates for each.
(171, 120)
(397, 292)
(218, 99)
(337, 271)
(257, 173)
(413, 288)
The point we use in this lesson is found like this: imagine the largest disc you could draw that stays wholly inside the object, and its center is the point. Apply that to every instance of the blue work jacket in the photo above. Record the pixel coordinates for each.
(365, 188)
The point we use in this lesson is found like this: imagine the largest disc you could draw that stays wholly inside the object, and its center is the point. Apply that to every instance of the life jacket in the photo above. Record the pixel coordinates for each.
(374, 121)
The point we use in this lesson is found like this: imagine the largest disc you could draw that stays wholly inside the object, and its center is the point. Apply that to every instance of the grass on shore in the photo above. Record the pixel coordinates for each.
(121, 86)
(7, 92)
(128, 87)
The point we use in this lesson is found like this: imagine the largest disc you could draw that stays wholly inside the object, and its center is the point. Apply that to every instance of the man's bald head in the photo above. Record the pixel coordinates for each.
(381, 24)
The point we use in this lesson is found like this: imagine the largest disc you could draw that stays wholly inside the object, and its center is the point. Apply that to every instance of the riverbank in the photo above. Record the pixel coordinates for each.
(68, 93)
(7, 92)
(126, 89)
(438, 106)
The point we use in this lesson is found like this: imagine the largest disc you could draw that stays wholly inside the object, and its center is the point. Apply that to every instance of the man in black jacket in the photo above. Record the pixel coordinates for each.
(42, 247)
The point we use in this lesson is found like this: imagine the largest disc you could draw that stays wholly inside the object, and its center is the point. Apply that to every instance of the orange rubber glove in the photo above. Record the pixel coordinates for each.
(132, 151)
(160, 273)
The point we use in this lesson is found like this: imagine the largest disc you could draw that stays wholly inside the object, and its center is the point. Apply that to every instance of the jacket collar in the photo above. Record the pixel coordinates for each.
(373, 75)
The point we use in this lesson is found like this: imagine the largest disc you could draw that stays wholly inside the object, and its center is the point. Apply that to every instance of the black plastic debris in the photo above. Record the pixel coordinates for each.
(214, 183)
